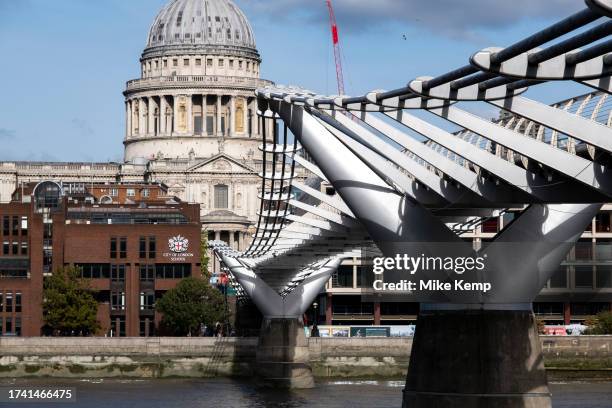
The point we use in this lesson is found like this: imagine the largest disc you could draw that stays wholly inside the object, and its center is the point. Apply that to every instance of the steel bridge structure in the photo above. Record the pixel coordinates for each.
(405, 185)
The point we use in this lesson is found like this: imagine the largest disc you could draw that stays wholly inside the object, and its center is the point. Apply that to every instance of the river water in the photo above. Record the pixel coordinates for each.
(239, 394)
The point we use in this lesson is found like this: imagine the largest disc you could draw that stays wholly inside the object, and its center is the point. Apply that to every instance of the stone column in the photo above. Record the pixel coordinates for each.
(174, 113)
(219, 104)
(231, 239)
(142, 121)
(217, 235)
(245, 113)
(190, 114)
(241, 241)
(162, 114)
(204, 114)
(232, 118)
(128, 119)
(151, 116)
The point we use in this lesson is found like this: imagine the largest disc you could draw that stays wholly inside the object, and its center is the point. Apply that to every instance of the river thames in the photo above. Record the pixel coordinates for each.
(238, 394)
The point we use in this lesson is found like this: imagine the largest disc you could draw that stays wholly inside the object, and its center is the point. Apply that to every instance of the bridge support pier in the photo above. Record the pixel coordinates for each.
(476, 359)
(282, 359)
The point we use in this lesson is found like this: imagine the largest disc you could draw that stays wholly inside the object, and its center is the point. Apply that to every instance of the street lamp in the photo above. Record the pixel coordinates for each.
(315, 328)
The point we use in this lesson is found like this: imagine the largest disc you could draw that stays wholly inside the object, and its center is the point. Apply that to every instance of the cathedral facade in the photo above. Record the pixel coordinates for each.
(191, 120)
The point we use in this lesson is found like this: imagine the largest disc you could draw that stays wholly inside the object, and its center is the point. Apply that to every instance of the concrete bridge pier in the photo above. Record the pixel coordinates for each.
(283, 359)
(476, 358)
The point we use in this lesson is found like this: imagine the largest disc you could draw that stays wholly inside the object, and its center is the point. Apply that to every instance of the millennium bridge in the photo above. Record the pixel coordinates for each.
(406, 186)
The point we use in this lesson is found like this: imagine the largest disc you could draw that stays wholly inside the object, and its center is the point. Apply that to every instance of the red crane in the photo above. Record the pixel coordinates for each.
(336, 42)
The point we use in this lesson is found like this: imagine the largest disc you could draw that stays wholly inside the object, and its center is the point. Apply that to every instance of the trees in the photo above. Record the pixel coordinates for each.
(69, 306)
(600, 324)
(190, 304)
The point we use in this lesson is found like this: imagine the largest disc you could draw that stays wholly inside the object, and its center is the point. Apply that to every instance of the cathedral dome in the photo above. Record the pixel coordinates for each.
(201, 26)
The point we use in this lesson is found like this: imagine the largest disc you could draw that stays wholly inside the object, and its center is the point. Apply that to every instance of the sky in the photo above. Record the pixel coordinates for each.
(64, 63)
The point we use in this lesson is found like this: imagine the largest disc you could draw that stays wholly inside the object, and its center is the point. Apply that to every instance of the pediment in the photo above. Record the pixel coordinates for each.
(221, 163)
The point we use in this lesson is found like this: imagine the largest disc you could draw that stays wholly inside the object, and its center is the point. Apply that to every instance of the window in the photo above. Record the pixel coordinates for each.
(146, 193)
(24, 248)
(24, 226)
(123, 248)
(344, 277)
(221, 62)
(15, 225)
(131, 192)
(6, 248)
(18, 302)
(142, 248)
(117, 301)
(172, 271)
(147, 300)
(113, 248)
(584, 276)
(165, 63)
(152, 248)
(94, 271)
(209, 62)
(221, 196)
(147, 273)
(8, 306)
(604, 276)
(117, 273)
(175, 62)
(239, 64)
(18, 327)
(9, 325)
(5, 225)
(15, 247)
(1, 306)
(186, 62)
(113, 192)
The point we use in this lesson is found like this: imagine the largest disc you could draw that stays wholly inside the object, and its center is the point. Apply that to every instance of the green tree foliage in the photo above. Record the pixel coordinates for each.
(69, 306)
(600, 324)
(190, 304)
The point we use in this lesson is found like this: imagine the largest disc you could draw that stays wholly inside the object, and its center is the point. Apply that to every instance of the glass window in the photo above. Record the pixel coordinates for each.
(147, 300)
(584, 276)
(117, 273)
(16, 225)
(131, 192)
(209, 62)
(6, 248)
(152, 247)
(344, 277)
(24, 248)
(602, 221)
(1, 305)
(18, 302)
(6, 225)
(604, 276)
(146, 193)
(113, 248)
(117, 301)
(221, 196)
(9, 325)
(142, 248)
(18, 326)
(584, 250)
(186, 62)
(198, 62)
(221, 62)
(113, 192)
(175, 62)
(8, 306)
(147, 273)
(123, 248)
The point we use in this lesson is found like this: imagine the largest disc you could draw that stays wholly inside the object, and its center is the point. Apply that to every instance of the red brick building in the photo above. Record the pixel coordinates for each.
(133, 241)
